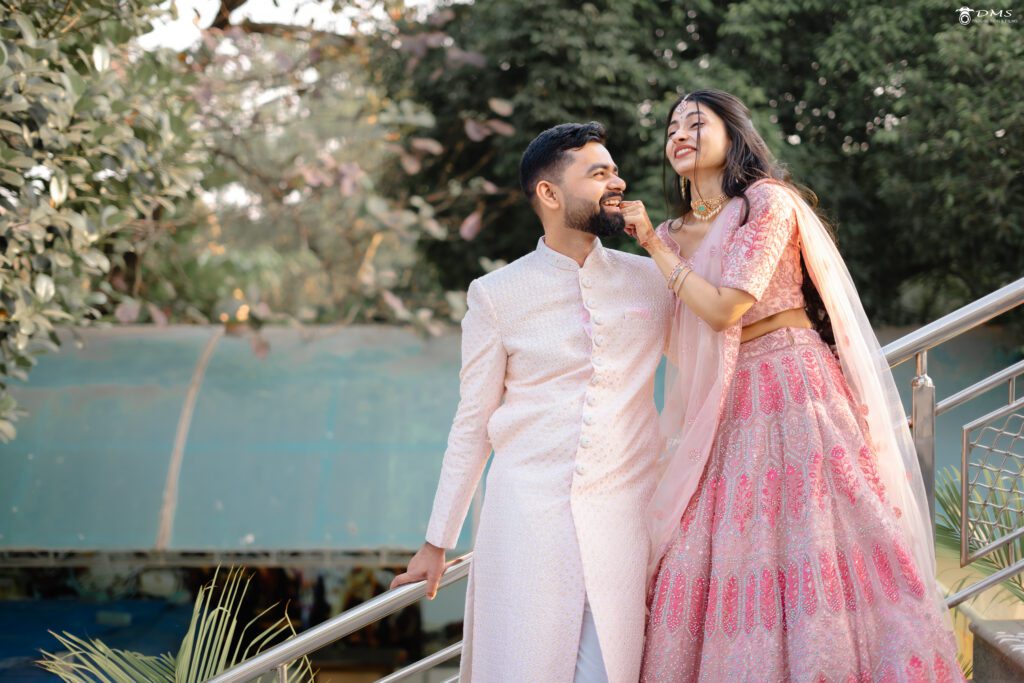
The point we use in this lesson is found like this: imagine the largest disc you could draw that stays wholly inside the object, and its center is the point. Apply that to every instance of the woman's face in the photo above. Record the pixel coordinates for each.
(697, 141)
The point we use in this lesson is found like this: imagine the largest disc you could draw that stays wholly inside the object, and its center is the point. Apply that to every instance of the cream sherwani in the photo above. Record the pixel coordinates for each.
(557, 377)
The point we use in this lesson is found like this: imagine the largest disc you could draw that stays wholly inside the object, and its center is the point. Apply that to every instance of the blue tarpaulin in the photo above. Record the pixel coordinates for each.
(331, 441)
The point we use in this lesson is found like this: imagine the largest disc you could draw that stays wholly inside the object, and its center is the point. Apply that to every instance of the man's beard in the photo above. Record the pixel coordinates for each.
(581, 216)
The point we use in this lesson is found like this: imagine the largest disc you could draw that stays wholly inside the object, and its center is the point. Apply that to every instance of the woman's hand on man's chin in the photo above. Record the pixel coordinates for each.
(638, 224)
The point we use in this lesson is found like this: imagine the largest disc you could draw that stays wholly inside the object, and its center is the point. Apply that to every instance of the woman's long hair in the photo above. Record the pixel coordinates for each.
(747, 161)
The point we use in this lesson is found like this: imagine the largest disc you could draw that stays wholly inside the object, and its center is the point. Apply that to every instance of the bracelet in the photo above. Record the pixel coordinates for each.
(675, 275)
(679, 287)
(679, 277)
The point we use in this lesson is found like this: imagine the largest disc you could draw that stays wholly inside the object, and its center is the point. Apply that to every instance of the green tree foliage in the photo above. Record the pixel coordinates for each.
(312, 216)
(909, 129)
(121, 170)
(97, 165)
(495, 74)
(904, 122)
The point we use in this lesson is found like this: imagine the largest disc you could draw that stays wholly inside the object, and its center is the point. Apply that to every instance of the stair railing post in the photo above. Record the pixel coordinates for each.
(923, 426)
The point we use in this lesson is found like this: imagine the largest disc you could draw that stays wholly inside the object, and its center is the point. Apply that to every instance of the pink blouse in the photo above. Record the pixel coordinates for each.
(762, 256)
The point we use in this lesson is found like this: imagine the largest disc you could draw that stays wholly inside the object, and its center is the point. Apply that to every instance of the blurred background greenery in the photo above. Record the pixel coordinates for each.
(281, 172)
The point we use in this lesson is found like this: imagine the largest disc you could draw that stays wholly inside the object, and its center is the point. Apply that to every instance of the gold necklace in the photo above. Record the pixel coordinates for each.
(707, 209)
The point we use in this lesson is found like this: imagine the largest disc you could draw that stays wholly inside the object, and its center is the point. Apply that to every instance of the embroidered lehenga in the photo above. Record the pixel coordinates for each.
(791, 559)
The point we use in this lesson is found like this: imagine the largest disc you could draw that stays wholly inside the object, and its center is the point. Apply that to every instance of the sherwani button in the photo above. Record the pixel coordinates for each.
(586, 281)
(591, 400)
(598, 361)
(598, 340)
(598, 320)
(589, 419)
(580, 469)
(585, 442)
(591, 303)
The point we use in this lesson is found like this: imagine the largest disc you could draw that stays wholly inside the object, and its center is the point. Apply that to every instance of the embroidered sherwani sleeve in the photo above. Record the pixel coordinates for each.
(482, 385)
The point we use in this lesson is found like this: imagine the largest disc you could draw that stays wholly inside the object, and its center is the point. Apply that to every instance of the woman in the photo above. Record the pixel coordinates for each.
(790, 526)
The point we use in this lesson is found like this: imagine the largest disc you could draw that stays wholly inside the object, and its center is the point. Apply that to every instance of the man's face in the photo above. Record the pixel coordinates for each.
(593, 190)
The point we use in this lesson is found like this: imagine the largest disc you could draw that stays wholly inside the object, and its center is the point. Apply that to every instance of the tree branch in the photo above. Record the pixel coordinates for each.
(292, 31)
(223, 18)
(272, 184)
(63, 13)
(222, 22)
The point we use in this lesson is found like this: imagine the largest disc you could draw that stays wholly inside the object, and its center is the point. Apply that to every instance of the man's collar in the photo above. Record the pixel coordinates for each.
(560, 260)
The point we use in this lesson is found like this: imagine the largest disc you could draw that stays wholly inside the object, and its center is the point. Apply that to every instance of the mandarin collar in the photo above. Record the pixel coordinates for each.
(596, 256)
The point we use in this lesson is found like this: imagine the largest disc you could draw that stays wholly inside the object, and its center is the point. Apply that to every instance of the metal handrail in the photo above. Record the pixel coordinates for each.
(340, 626)
(429, 662)
(917, 344)
(959, 321)
(986, 583)
(978, 388)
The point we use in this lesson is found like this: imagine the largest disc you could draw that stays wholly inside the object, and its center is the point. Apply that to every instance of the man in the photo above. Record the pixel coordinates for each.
(559, 350)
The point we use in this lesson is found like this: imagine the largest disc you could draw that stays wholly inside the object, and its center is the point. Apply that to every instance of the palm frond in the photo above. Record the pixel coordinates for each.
(91, 661)
(212, 644)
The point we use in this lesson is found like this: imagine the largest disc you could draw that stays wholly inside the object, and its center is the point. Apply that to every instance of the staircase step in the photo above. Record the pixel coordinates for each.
(998, 650)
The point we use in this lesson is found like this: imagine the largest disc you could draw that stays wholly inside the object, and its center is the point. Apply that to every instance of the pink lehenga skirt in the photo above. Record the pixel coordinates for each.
(786, 565)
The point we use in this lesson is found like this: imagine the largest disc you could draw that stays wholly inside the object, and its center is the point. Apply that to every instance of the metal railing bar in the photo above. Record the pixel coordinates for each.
(922, 426)
(957, 322)
(1004, 540)
(340, 626)
(990, 382)
(966, 492)
(453, 679)
(986, 583)
(998, 412)
(439, 657)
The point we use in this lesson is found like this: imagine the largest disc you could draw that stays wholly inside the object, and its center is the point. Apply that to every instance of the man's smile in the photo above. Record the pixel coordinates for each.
(612, 202)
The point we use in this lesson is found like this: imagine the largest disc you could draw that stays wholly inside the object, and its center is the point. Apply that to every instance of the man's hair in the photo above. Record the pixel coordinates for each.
(547, 156)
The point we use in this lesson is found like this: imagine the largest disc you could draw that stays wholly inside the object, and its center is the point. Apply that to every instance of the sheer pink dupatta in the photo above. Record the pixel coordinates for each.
(696, 384)
(704, 362)
(883, 419)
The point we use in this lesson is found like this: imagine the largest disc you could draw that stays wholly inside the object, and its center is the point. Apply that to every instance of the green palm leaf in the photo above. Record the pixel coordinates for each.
(212, 644)
(91, 660)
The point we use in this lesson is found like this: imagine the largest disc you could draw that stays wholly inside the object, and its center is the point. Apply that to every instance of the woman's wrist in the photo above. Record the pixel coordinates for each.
(680, 271)
(654, 244)
(665, 259)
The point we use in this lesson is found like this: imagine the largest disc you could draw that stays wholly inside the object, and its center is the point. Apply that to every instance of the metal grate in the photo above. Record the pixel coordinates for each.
(993, 486)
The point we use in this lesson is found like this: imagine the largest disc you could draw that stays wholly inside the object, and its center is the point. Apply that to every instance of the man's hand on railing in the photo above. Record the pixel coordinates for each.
(427, 564)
